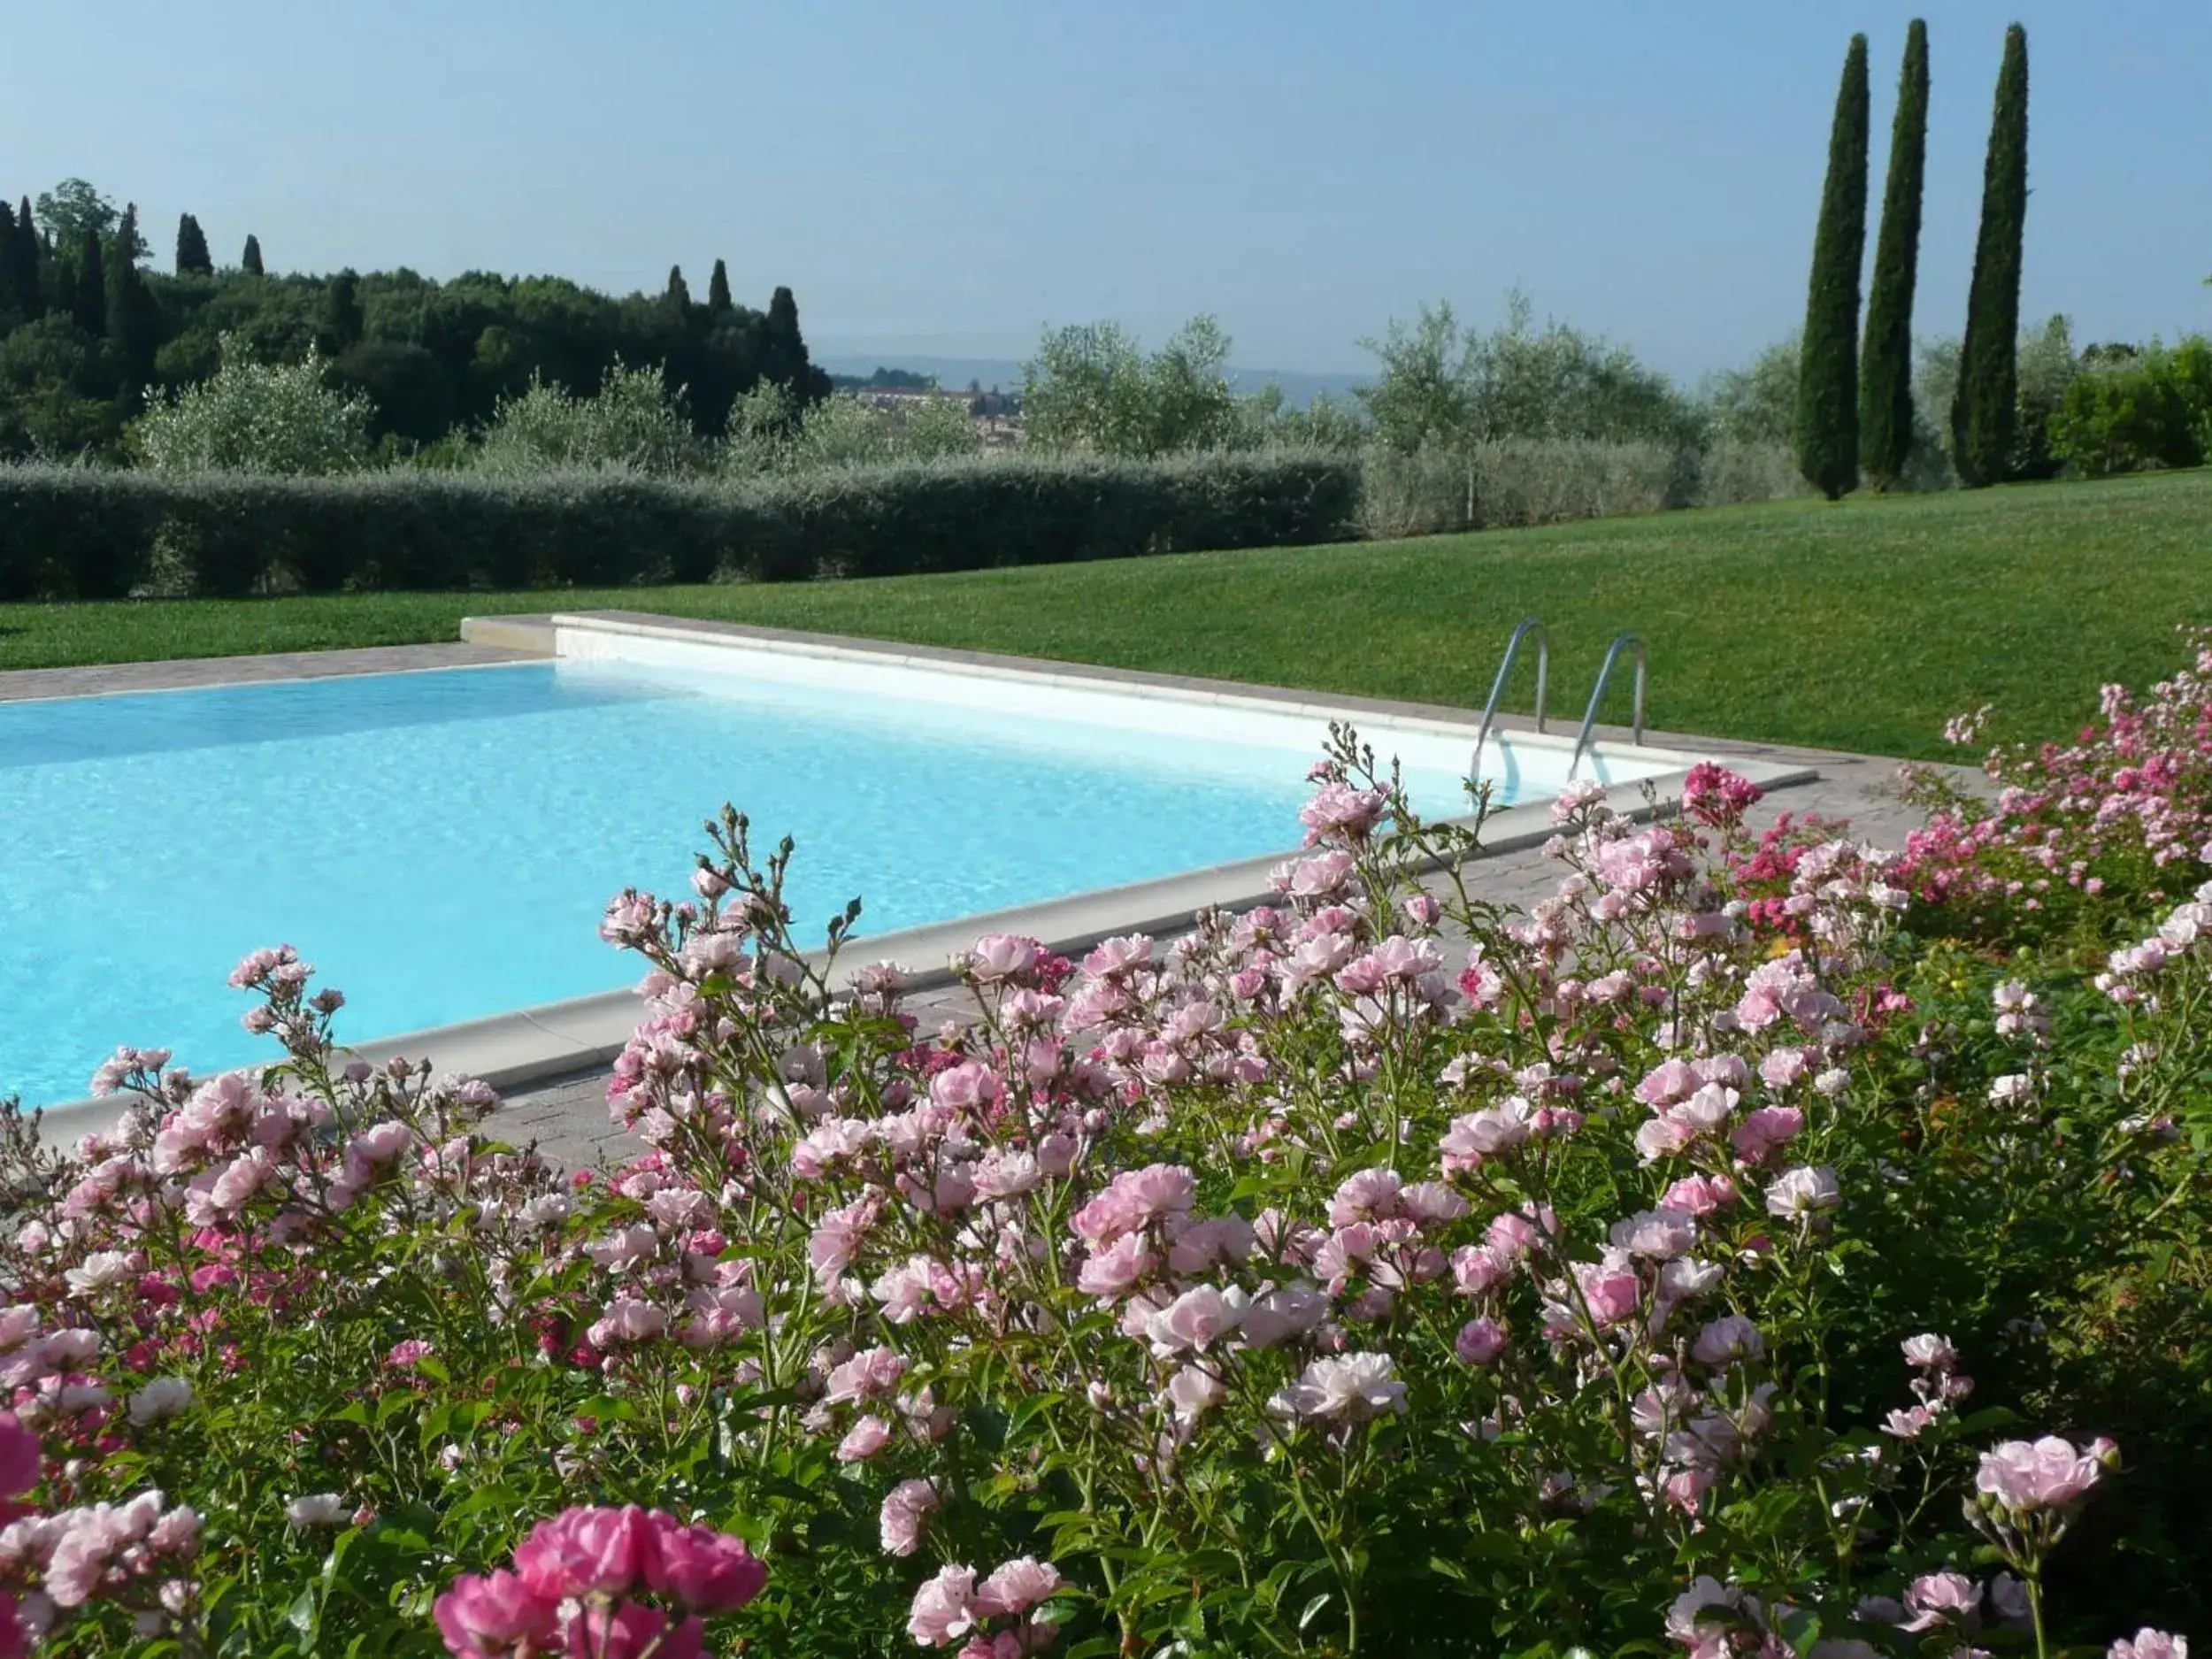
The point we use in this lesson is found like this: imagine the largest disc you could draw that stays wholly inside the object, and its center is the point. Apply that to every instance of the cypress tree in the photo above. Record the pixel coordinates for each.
(678, 293)
(31, 276)
(718, 288)
(250, 261)
(192, 259)
(10, 296)
(342, 320)
(133, 319)
(1885, 370)
(1983, 413)
(783, 323)
(89, 302)
(1828, 378)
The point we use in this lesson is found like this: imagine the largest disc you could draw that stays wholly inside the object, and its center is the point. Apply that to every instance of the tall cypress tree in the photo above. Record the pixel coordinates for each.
(718, 288)
(32, 276)
(12, 302)
(192, 259)
(343, 319)
(1828, 377)
(133, 318)
(679, 294)
(250, 261)
(88, 303)
(1885, 369)
(1983, 413)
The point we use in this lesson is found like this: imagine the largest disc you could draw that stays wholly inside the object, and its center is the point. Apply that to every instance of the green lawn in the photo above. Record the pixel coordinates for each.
(1862, 625)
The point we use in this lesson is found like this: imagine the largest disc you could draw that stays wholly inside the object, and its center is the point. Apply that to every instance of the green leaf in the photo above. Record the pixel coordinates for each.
(300, 1614)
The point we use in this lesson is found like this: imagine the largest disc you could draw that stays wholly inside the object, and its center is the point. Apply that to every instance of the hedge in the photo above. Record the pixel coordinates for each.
(73, 532)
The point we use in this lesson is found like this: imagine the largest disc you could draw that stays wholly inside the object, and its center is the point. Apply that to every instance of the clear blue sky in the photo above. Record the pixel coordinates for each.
(946, 177)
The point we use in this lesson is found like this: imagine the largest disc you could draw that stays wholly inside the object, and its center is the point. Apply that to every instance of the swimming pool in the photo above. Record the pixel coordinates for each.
(440, 843)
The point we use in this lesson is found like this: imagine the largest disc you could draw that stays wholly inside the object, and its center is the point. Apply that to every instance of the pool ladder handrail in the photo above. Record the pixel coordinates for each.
(1626, 641)
(1497, 685)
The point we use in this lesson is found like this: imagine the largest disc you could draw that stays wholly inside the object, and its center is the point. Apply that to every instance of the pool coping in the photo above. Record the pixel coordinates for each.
(579, 1034)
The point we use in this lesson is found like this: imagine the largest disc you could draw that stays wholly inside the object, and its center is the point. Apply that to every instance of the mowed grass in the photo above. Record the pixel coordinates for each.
(1862, 625)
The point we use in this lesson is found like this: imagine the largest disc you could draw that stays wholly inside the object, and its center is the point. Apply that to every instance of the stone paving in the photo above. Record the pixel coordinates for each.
(19, 684)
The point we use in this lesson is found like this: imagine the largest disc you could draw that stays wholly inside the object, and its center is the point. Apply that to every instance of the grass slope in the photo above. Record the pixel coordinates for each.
(1863, 625)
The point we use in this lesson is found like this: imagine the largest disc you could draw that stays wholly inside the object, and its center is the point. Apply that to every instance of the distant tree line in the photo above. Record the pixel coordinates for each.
(90, 334)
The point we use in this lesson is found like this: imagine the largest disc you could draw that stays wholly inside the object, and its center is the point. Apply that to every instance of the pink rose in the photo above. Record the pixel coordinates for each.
(944, 1608)
(1016, 1588)
(1479, 1341)
(484, 1617)
(706, 1570)
(863, 1440)
(632, 1630)
(19, 1457)
(586, 1551)
(901, 1519)
(2046, 1474)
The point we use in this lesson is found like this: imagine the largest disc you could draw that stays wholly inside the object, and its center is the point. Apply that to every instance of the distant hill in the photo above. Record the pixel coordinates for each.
(954, 373)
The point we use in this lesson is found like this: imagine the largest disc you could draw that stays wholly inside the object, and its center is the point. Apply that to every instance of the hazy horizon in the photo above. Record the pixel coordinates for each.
(944, 186)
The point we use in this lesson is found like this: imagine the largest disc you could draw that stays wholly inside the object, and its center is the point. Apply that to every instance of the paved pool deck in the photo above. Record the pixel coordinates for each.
(20, 685)
(565, 1113)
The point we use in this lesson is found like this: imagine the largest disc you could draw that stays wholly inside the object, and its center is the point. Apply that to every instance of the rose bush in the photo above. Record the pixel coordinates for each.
(1754, 1247)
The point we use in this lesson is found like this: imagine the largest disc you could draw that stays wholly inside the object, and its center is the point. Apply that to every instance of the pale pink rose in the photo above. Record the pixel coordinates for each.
(2029, 1476)
(1943, 1598)
(904, 1511)
(1192, 1392)
(1729, 1338)
(1116, 1269)
(1801, 1192)
(944, 1608)
(1193, 1320)
(1699, 1195)
(626, 1320)
(1490, 1133)
(1350, 1389)
(1670, 1081)
(1369, 1195)
(1287, 1311)
(1611, 1295)
(1432, 1203)
(1479, 1341)
(999, 957)
(873, 1374)
(1764, 1131)
(863, 1440)
(1931, 1352)
(1657, 1235)
(1016, 1586)
(1215, 1241)
(1479, 1269)
(2149, 1643)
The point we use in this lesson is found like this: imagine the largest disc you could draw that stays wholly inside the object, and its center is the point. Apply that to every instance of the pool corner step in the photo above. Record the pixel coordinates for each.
(534, 635)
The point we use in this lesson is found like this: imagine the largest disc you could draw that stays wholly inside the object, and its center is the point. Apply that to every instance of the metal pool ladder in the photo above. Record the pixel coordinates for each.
(1497, 687)
(1628, 642)
(1530, 624)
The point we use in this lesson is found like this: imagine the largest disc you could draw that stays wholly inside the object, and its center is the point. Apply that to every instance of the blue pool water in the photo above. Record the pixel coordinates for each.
(441, 845)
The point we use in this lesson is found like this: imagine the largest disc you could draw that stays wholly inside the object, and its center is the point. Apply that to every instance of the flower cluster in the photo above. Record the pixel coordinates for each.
(2125, 810)
(602, 1584)
(1221, 1289)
